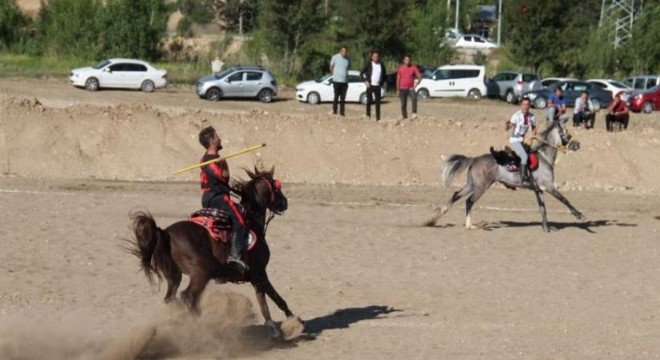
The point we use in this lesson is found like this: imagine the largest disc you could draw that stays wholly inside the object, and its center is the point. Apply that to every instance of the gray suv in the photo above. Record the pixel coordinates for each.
(510, 85)
(239, 82)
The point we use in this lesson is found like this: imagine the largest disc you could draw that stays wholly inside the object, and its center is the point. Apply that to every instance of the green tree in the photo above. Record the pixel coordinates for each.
(132, 28)
(199, 11)
(13, 24)
(68, 27)
(425, 33)
(234, 10)
(645, 35)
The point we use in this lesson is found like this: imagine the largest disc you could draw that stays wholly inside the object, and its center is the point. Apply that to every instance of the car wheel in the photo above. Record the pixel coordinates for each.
(363, 98)
(596, 103)
(647, 108)
(540, 102)
(313, 98)
(213, 94)
(147, 86)
(92, 84)
(475, 94)
(423, 93)
(265, 95)
(510, 97)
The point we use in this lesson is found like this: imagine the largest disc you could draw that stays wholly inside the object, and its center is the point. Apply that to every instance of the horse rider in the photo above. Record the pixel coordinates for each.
(214, 179)
(521, 121)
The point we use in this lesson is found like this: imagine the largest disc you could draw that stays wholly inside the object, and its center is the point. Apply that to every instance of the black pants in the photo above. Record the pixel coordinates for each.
(340, 97)
(403, 95)
(610, 119)
(587, 118)
(226, 205)
(373, 96)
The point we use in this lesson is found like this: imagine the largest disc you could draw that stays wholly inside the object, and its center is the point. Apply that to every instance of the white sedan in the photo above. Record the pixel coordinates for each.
(614, 87)
(321, 90)
(119, 73)
(471, 41)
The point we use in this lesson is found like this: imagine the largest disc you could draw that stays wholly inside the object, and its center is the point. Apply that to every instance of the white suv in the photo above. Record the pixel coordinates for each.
(454, 80)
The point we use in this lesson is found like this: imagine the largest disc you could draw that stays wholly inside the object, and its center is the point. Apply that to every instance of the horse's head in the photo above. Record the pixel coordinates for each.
(264, 191)
(551, 137)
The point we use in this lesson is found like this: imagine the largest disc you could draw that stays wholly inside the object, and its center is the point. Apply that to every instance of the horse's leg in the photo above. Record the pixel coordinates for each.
(260, 292)
(173, 282)
(190, 296)
(467, 189)
(554, 192)
(468, 207)
(539, 199)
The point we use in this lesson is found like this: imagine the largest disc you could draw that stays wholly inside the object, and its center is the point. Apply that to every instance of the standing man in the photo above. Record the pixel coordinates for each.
(405, 86)
(214, 179)
(521, 121)
(339, 65)
(374, 76)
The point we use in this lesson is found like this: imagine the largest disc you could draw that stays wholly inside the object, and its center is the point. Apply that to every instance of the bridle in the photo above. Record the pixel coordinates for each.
(273, 185)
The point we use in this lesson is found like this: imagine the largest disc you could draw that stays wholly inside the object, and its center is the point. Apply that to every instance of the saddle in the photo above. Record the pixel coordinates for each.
(508, 159)
(218, 224)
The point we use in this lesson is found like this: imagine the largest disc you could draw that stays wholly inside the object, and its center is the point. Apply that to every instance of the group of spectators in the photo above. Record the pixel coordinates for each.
(584, 113)
(374, 76)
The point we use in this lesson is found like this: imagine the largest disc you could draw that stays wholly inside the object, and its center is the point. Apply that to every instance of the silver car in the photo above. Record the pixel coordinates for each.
(239, 82)
(510, 85)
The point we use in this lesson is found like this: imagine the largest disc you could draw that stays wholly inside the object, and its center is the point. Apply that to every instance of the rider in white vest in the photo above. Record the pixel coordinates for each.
(521, 121)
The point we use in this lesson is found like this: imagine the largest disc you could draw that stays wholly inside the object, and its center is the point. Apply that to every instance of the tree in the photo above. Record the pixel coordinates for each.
(12, 24)
(645, 35)
(425, 37)
(132, 28)
(239, 15)
(68, 27)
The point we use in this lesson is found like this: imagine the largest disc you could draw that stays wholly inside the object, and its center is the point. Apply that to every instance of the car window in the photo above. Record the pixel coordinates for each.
(651, 83)
(499, 77)
(253, 76)
(529, 77)
(237, 76)
(548, 82)
(442, 74)
(618, 84)
(467, 38)
(135, 67)
(354, 79)
(478, 39)
(565, 86)
(511, 77)
(118, 67)
(639, 83)
(101, 65)
(628, 82)
(580, 87)
(599, 84)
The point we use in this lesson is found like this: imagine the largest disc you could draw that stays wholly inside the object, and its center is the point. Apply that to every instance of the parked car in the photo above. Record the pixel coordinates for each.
(510, 85)
(571, 90)
(472, 41)
(454, 80)
(321, 90)
(642, 82)
(646, 101)
(245, 81)
(614, 87)
(452, 36)
(552, 80)
(119, 74)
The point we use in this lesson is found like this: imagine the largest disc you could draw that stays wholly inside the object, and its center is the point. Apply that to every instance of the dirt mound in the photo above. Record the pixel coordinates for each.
(144, 142)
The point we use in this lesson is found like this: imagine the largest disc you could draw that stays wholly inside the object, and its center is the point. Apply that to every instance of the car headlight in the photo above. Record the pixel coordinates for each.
(637, 97)
(531, 96)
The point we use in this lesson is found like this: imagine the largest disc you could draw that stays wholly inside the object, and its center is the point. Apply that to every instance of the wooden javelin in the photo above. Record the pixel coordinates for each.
(193, 167)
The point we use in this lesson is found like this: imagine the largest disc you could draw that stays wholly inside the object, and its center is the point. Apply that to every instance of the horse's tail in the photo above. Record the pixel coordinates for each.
(456, 164)
(151, 245)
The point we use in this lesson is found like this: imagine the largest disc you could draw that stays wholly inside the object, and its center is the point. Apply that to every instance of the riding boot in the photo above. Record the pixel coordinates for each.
(238, 246)
(524, 173)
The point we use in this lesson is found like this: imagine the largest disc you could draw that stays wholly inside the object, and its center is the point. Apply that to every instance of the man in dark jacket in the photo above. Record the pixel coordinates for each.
(214, 179)
(374, 76)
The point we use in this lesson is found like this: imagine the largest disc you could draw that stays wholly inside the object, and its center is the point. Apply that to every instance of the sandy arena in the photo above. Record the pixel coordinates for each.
(350, 256)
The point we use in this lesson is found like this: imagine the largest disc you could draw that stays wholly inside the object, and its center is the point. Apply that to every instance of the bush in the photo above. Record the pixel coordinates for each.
(184, 27)
(69, 28)
(13, 24)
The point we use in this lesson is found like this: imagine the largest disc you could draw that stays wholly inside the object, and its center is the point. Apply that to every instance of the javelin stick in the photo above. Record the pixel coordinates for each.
(193, 167)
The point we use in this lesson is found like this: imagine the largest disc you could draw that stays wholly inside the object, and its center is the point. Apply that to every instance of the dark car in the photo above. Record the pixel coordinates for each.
(572, 90)
(646, 101)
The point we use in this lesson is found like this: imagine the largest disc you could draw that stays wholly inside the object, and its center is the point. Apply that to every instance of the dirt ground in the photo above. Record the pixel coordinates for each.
(350, 255)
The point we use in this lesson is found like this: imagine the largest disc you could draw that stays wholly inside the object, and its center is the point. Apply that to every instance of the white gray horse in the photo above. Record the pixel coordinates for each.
(484, 171)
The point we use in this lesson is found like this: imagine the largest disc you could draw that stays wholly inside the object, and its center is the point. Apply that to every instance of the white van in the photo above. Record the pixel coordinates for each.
(454, 80)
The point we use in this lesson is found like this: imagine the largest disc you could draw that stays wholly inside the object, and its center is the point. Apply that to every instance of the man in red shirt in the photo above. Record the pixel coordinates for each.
(214, 179)
(618, 112)
(405, 86)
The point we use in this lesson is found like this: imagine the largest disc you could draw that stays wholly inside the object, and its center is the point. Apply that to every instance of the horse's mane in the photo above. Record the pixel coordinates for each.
(246, 189)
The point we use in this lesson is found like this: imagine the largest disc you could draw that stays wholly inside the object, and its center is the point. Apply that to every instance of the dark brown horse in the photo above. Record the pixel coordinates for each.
(186, 247)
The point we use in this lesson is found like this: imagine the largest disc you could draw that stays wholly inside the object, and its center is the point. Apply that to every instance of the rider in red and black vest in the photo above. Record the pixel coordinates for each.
(214, 179)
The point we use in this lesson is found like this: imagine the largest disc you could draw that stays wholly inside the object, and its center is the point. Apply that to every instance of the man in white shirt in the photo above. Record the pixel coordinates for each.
(521, 121)
(584, 113)
(374, 76)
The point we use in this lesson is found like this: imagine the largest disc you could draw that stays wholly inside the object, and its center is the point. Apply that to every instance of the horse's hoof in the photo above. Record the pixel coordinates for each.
(292, 327)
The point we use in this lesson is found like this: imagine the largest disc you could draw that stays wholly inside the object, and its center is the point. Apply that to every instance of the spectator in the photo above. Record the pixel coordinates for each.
(405, 86)
(618, 113)
(556, 113)
(584, 113)
(374, 75)
(339, 65)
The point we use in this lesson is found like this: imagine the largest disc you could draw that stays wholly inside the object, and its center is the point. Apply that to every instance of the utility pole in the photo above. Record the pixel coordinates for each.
(499, 22)
(458, 5)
